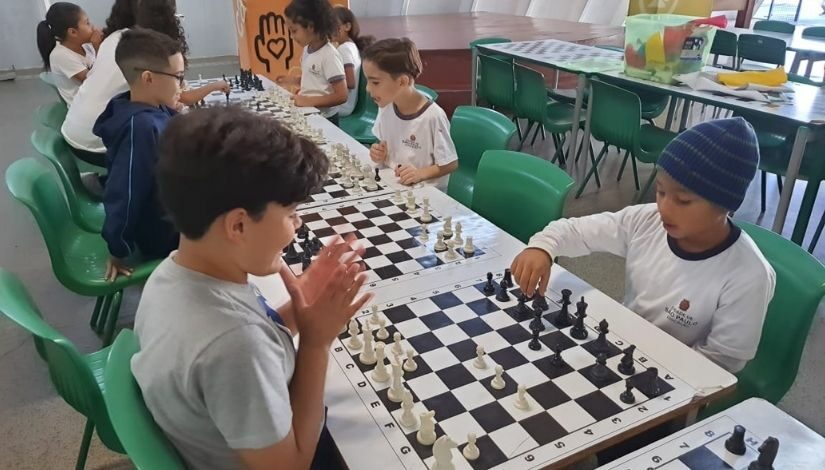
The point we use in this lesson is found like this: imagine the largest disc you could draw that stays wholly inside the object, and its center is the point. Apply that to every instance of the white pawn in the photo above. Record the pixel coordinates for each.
(396, 198)
(356, 188)
(382, 332)
(371, 184)
(396, 391)
(396, 344)
(458, 240)
(470, 451)
(439, 243)
(480, 363)
(346, 182)
(498, 381)
(367, 356)
(375, 318)
(380, 374)
(448, 227)
(425, 233)
(469, 249)
(451, 253)
(411, 207)
(521, 399)
(408, 419)
(425, 214)
(426, 433)
(354, 341)
(409, 364)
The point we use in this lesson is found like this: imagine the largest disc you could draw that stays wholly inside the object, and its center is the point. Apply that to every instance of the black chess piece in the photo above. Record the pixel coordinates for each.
(556, 359)
(502, 295)
(540, 303)
(601, 342)
(306, 260)
(522, 306)
(627, 396)
(224, 77)
(292, 255)
(562, 319)
(377, 176)
(535, 344)
(767, 454)
(303, 232)
(600, 370)
(537, 323)
(735, 444)
(315, 245)
(258, 106)
(651, 381)
(489, 287)
(579, 331)
(508, 279)
(627, 366)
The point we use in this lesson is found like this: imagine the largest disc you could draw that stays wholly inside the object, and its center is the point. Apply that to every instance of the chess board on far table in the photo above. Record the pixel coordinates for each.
(569, 410)
(333, 190)
(554, 50)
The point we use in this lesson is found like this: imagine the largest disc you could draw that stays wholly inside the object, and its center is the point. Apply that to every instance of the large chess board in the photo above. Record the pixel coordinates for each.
(333, 191)
(569, 410)
(391, 236)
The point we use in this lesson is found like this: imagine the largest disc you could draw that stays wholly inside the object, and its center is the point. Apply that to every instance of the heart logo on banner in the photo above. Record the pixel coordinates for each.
(276, 47)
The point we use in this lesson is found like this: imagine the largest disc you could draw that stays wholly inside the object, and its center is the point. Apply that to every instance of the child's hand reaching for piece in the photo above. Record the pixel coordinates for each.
(220, 86)
(408, 175)
(531, 271)
(378, 152)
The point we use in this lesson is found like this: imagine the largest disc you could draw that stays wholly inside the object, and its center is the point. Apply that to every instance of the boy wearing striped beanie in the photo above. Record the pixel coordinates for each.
(689, 269)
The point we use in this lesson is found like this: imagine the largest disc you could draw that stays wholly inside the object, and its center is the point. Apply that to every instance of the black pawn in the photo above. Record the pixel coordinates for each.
(652, 383)
(303, 232)
(489, 287)
(626, 366)
(767, 454)
(522, 306)
(600, 370)
(556, 359)
(508, 279)
(377, 176)
(292, 255)
(735, 444)
(540, 303)
(502, 295)
(537, 324)
(258, 106)
(306, 260)
(601, 341)
(535, 345)
(579, 331)
(627, 396)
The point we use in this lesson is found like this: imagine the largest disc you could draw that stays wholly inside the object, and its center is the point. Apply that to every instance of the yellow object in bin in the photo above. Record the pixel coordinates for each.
(775, 77)
(655, 49)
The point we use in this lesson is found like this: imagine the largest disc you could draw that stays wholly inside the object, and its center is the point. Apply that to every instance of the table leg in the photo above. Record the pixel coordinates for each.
(585, 145)
(577, 109)
(671, 112)
(685, 115)
(474, 77)
(790, 178)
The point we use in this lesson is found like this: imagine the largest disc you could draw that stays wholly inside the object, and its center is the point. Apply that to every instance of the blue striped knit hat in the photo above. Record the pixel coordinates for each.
(716, 160)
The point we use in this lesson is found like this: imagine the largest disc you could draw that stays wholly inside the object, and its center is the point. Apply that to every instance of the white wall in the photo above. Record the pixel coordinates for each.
(18, 22)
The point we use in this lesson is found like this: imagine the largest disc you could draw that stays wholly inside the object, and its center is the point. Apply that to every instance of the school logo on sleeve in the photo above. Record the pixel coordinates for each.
(679, 315)
(411, 143)
(684, 305)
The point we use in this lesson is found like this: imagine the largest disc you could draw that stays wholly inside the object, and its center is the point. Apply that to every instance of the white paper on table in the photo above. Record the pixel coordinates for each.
(703, 81)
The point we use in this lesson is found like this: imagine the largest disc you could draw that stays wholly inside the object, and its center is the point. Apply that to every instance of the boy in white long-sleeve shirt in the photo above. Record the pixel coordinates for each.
(690, 270)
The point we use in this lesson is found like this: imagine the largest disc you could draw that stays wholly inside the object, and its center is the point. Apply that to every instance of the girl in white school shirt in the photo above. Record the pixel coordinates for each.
(350, 45)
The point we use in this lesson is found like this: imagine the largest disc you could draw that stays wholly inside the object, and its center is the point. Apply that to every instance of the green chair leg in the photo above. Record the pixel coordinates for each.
(635, 171)
(805, 210)
(817, 234)
(88, 432)
(96, 312)
(594, 171)
(104, 314)
(624, 164)
(111, 321)
(641, 196)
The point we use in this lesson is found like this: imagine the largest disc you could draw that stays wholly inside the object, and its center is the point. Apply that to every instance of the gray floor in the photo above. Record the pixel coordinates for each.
(38, 430)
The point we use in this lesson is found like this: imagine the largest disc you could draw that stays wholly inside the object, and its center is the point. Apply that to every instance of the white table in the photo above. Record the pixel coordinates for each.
(799, 447)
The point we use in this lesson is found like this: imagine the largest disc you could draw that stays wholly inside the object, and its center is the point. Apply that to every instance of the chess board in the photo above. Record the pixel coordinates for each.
(553, 50)
(702, 448)
(568, 412)
(391, 236)
(333, 191)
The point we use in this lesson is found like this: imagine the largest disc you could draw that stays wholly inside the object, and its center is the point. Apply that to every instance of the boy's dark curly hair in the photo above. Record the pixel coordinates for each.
(122, 16)
(159, 15)
(319, 14)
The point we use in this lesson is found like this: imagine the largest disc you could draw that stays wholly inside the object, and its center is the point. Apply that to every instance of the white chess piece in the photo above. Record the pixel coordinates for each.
(426, 433)
(375, 318)
(356, 188)
(448, 227)
(521, 399)
(408, 419)
(451, 253)
(498, 381)
(380, 374)
(371, 184)
(439, 243)
(458, 240)
(367, 355)
(425, 233)
(471, 451)
(382, 332)
(426, 217)
(409, 364)
(397, 198)
(443, 453)
(480, 363)
(354, 341)
(396, 391)
(469, 249)
(200, 79)
(396, 343)
(346, 182)
(411, 207)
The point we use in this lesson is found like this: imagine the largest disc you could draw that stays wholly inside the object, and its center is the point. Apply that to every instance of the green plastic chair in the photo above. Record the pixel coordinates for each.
(480, 99)
(762, 49)
(78, 257)
(506, 180)
(50, 79)
(51, 115)
(87, 210)
(145, 443)
(774, 26)
(800, 286)
(475, 130)
(532, 103)
(724, 45)
(812, 32)
(497, 84)
(78, 378)
(616, 120)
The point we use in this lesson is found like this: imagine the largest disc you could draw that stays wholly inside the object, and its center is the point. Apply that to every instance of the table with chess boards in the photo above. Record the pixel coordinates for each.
(705, 444)
(438, 306)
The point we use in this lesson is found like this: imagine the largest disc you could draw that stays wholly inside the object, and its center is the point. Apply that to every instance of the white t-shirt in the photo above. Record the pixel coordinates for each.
(421, 140)
(351, 57)
(319, 70)
(65, 64)
(103, 83)
(714, 302)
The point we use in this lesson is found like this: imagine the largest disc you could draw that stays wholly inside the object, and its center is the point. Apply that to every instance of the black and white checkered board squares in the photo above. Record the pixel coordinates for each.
(568, 408)
(332, 191)
(390, 236)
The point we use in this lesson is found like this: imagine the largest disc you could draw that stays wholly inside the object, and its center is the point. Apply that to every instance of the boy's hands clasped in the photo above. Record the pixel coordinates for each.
(531, 271)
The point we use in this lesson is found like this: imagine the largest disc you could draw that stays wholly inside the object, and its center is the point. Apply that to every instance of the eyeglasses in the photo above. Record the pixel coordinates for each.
(181, 77)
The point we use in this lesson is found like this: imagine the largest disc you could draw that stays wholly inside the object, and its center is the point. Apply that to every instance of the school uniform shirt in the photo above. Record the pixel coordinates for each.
(421, 139)
(714, 302)
(65, 64)
(351, 57)
(320, 69)
(104, 82)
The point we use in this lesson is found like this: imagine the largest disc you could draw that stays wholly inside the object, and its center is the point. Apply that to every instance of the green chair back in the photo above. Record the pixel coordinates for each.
(761, 49)
(725, 44)
(51, 115)
(363, 96)
(69, 371)
(475, 130)
(774, 26)
(427, 91)
(531, 94)
(617, 115)
(497, 83)
(814, 32)
(50, 79)
(474, 48)
(145, 443)
(519, 193)
(87, 211)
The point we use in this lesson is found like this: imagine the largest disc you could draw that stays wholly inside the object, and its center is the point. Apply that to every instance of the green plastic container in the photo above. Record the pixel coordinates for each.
(657, 47)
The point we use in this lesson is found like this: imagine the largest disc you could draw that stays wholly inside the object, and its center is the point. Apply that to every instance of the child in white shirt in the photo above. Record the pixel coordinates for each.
(690, 270)
(350, 45)
(414, 132)
(313, 24)
(68, 43)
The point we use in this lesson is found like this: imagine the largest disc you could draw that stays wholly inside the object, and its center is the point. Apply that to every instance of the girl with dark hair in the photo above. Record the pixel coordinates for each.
(313, 24)
(122, 16)
(350, 44)
(67, 42)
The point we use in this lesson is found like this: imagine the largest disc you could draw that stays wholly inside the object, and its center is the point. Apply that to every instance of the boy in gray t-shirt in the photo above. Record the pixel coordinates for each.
(217, 367)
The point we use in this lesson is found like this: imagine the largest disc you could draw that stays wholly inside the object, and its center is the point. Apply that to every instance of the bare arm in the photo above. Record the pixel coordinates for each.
(337, 97)
(349, 72)
(194, 95)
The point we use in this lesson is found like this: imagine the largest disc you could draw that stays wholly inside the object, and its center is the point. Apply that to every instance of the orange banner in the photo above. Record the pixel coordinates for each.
(264, 42)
